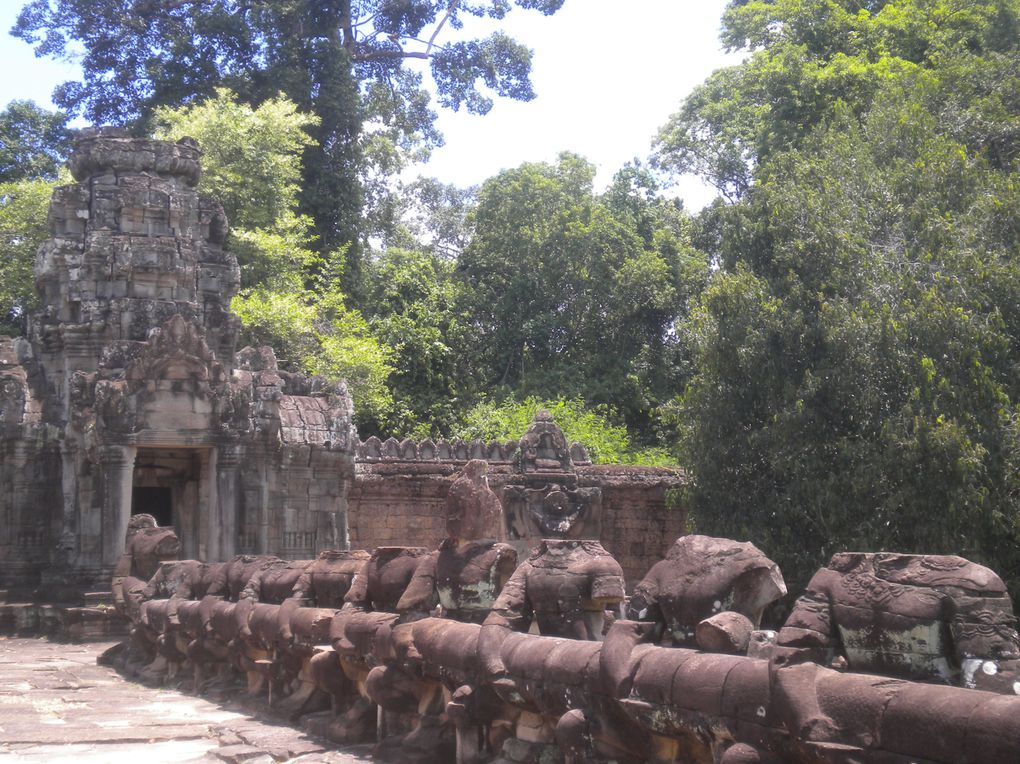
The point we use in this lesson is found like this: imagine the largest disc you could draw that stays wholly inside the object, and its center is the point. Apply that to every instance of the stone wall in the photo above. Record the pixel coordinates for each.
(399, 489)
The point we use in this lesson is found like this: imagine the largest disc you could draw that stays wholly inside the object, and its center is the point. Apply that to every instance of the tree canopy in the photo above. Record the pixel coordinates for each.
(855, 355)
(345, 61)
(33, 142)
(574, 293)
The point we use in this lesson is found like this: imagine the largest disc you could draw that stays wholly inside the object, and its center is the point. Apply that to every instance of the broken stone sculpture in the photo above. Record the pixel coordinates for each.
(146, 545)
(462, 579)
(257, 615)
(356, 634)
(565, 588)
(159, 616)
(708, 592)
(544, 500)
(221, 638)
(305, 617)
(629, 700)
(929, 617)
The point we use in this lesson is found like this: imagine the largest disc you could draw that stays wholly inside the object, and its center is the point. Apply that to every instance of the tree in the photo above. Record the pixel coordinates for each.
(33, 142)
(344, 61)
(290, 296)
(24, 206)
(573, 294)
(805, 56)
(854, 356)
(413, 307)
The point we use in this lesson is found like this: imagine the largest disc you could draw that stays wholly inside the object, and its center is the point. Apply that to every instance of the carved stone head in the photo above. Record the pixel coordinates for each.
(473, 511)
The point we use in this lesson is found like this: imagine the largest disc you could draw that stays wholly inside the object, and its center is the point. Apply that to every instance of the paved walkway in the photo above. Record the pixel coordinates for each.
(57, 706)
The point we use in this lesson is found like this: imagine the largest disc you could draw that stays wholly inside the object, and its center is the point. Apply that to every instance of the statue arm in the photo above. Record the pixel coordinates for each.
(246, 604)
(357, 596)
(299, 597)
(644, 605)
(420, 596)
(511, 612)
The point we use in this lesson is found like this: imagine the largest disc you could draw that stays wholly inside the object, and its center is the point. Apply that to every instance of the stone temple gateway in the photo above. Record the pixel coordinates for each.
(127, 395)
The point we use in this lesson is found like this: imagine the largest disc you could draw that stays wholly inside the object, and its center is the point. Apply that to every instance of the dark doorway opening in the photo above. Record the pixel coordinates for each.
(154, 500)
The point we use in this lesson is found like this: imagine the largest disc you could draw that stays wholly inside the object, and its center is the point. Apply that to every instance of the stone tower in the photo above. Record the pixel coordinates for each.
(127, 395)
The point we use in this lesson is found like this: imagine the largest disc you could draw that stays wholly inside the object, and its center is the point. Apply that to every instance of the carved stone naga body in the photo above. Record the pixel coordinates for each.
(462, 578)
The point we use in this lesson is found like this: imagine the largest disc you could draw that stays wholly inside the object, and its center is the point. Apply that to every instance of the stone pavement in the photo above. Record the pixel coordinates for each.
(57, 706)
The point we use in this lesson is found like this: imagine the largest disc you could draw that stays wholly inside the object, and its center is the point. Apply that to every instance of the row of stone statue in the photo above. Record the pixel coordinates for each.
(463, 654)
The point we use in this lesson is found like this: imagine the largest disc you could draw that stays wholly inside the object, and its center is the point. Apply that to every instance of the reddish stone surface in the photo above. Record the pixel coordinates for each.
(936, 617)
(701, 577)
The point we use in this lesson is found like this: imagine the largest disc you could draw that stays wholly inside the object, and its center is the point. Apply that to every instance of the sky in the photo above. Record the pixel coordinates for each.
(607, 75)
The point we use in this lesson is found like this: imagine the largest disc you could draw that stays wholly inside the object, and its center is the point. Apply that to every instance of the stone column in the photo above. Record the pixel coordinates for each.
(228, 492)
(210, 528)
(117, 464)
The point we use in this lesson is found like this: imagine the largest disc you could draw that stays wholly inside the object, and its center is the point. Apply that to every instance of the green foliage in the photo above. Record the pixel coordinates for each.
(343, 61)
(575, 294)
(251, 157)
(412, 309)
(33, 142)
(806, 56)
(594, 427)
(319, 335)
(854, 358)
(24, 206)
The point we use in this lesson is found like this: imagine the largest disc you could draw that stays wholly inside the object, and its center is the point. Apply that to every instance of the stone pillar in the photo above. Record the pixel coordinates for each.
(228, 494)
(117, 464)
(210, 529)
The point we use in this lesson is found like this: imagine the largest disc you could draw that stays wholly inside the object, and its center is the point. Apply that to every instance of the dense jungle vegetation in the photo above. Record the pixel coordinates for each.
(831, 350)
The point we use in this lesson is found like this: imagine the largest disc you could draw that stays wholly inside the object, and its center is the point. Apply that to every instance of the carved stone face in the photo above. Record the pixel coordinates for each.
(552, 512)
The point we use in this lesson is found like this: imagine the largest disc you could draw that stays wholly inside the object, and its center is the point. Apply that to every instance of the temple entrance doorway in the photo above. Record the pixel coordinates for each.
(172, 485)
(157, 501)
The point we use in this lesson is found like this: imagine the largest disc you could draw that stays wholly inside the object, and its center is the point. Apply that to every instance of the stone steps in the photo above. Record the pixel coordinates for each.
(98, 621)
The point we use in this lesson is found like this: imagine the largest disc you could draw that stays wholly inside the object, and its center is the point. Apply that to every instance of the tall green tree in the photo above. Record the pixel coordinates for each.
(24, 206)
(34, 142)
(855, 354)
(345, 61)
(572, 293)
(804, 57)
(414, 308)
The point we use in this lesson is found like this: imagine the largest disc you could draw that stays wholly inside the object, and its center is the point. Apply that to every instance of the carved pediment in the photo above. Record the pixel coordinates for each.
(543, 448)
(176, 351)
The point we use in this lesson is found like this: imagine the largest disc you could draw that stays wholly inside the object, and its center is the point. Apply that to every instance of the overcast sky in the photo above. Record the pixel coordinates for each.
(607, 74)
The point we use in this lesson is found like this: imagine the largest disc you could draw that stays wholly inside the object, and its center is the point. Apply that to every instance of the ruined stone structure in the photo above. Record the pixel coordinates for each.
(543, 484)
(127, 395)
(452, 694)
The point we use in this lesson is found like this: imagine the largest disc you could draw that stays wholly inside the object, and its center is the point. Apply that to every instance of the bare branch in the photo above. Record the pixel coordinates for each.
(388, 55)
(449, 12)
